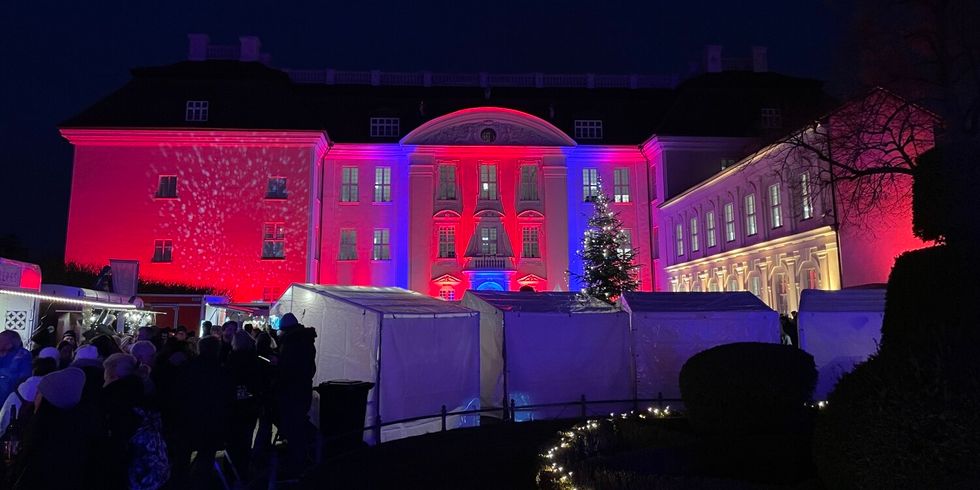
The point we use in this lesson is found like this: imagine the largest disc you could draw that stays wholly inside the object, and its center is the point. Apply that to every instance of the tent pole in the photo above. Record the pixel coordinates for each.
(503, 354)
(377, 385)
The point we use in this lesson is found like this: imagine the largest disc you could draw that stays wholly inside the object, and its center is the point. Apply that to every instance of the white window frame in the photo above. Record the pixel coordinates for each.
(273, 240)
(349, 191)
(529, 182)
(629, 242)
(166, 187)
(621, 185)
(196, 111)
(775, 206)
(751, 222)
(163, 251)
(381, 244)
(447, 242)
(805, 196)
(385, 127)
(590, 184)
(488, 182)
(729, 222)
(382, 184)
(710, 228)
(695, 238)
(588, 129)
(488, 241)
(348, 244)
(447, 182)
(531, 242)
(679, 235)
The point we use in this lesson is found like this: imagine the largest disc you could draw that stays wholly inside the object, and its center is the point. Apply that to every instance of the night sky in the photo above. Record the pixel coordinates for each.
(60, 58)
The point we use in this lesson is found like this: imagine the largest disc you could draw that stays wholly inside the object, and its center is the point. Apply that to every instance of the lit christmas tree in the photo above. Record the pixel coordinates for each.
(607, 254)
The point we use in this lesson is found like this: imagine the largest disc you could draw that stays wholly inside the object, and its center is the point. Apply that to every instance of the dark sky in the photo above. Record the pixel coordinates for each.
(59, 58)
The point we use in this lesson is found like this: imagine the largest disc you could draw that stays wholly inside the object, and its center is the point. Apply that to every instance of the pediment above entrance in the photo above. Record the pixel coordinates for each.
(488, 126)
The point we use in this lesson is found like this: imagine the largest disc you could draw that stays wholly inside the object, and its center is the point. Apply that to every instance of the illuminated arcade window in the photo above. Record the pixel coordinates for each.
(348, 185)
(197, 111)
(382, 247)
(679, 234)
(488, 181)
(772, 118)
(588, 129)
(447, 293)
(348, 244)
(531, 249)
(166, 187)
(750, 221)
(775, 208)
(163, 250)
(382, 184)
(273, 240)
(529, 182)
(384, 127)
(276, 189)
(807, 204)
(729, 222)
(447, 242)
(621, 185)
(695, 241)
(590, 184)
(447, 182)
(709, 225)
(488, 241)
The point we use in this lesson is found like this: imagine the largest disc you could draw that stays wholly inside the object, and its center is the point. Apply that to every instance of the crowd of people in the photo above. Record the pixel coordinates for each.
(151, 410)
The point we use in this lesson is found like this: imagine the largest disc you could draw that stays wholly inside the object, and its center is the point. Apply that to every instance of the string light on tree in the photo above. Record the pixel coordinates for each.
(607, 254)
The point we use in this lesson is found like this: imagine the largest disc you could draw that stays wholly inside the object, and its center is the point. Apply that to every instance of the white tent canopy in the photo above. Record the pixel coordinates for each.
(550, 347)
(421, 352)
(839, 329)
(669, 328)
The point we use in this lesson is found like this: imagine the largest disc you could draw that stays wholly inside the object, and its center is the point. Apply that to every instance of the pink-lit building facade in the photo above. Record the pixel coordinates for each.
(245, 178)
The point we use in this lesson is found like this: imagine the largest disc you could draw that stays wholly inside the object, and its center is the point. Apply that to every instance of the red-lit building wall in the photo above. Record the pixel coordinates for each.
(216, 220)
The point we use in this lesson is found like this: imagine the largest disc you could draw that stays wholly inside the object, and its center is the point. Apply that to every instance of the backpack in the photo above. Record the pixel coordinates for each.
(149, 468)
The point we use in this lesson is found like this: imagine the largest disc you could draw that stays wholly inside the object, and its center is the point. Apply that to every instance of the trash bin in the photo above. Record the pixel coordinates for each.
(342, 406)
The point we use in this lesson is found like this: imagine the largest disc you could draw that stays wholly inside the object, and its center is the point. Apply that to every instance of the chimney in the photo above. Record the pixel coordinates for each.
(712, 58)
(760, 60)
(250, 46)
(198, 47)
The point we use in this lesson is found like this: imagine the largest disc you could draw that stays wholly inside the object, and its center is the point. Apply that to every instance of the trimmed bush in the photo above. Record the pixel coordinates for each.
(748, 388)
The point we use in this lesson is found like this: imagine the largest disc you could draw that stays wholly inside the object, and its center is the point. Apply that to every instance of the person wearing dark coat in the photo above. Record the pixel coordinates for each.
(244, 368)
(121, 396)
(293, 390)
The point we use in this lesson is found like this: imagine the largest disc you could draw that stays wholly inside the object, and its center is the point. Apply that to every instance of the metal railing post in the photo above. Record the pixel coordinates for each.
(584, 410)
(443, 414)
(513, 414)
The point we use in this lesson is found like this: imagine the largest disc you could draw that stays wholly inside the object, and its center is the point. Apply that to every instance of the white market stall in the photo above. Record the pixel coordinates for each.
(421, 352)
(540, 348)
(839, 329)
(19, 284)
(669, 328)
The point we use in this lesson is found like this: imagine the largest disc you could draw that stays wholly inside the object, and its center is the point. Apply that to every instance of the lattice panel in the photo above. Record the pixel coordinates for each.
(16, 320)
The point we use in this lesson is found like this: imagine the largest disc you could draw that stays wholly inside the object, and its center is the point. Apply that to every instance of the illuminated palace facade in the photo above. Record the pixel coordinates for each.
(231, 174)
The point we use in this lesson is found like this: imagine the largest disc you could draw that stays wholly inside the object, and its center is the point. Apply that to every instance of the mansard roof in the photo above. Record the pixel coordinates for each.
(245, 95)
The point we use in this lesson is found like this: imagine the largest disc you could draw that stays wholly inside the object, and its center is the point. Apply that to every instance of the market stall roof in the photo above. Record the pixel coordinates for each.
(677, 302)
(254, 309)
(19, 276)
(845, 300)
(389, 300)
(82, 296)
(544, 302)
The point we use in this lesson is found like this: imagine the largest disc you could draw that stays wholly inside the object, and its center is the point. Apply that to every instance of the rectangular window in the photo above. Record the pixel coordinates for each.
(348, 244)
(775, 206)
(382, 249)
(695, 240)
(384, 127)
(447, 182)
(729, 222)
(772, 118)
(750, 221)
(655, 245)
(447, 242)
(273, 240)
(621, 185)
(709, 228)
(530, 239)
(348, 185)
(627, 243)
(805, 201)
(529, 182)
(488, 181)
(590, 184)
(382, 184)
(488, 241)
(276, 188)
(167, 187)
(197, 111)
(163, 250)
(588, 129)
(679, 233)
(447, 293)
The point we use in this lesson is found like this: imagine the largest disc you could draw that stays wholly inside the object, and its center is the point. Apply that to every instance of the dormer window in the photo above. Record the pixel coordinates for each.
(588, 129)
(385, 127)
(196, 111)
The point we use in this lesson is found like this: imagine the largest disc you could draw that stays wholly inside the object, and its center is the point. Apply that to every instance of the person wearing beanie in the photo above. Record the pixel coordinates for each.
(49, 352)
(59, 431)
(22, 399)
(294, 389)
(125, 406)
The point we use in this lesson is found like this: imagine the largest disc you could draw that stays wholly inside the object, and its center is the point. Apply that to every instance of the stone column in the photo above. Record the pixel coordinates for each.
(556, 220)
(421, 195)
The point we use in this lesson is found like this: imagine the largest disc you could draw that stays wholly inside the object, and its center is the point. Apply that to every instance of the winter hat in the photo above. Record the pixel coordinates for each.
(63, 389)
(49, 352)
(28, 389)
(288, 321)
(87, 352)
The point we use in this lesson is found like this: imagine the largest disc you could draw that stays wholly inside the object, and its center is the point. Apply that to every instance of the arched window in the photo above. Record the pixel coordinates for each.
(780, 291)
(809, 279)
(733, 283)
(697, 286)
(713, 286)
(755, 285)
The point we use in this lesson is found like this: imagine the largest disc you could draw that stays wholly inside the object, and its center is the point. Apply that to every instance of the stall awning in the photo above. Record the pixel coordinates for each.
(19, 276)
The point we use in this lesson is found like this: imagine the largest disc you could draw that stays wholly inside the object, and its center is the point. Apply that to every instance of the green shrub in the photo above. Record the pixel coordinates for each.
(748, 388)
